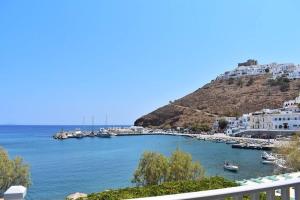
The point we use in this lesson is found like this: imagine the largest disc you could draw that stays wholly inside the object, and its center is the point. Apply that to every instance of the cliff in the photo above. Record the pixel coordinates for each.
(232, 97)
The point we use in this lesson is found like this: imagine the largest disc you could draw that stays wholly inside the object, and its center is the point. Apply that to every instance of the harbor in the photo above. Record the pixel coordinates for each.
(235, 142)
(92, 164)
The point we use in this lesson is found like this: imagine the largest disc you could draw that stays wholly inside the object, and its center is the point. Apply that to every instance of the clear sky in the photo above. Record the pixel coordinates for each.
(61, 61)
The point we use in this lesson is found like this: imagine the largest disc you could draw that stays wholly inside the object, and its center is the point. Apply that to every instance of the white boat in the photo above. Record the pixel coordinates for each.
(231, 167)
(232, 142)
(267, 156)
(268, 162)
(103, 133)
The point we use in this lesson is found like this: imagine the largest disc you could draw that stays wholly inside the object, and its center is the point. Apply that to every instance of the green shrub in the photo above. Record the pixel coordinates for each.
(230, 81)
(12, 172)
(267, 70)
(282, 82)
(152, 169)
(164, 189)
(200, 128)
(155, 168)
(222, 124)
(250, 81)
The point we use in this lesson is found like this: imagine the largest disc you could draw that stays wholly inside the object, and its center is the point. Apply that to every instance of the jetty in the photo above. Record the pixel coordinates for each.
(235, 142)
(116, 131)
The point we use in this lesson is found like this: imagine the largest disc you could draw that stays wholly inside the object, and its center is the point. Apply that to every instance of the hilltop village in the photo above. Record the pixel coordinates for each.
(252, 68)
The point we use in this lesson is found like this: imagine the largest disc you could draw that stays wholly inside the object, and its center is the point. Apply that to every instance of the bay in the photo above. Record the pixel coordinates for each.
(88, 165)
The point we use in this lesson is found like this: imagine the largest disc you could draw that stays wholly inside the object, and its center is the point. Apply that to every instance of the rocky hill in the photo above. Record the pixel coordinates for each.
(231, 97)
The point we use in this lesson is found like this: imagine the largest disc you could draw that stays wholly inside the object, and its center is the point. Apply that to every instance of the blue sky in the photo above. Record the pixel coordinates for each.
(61, 61)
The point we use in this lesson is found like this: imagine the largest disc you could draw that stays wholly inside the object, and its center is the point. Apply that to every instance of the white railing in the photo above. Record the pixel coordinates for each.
(237, 193)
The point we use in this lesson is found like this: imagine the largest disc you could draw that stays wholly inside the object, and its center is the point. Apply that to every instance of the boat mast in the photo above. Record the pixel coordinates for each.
(93, 124)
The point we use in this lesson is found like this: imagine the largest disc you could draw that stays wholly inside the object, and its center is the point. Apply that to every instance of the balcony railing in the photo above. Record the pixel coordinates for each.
(237, 193)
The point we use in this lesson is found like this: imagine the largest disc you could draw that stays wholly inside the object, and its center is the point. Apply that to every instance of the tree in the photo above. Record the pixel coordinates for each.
(155, 168)
(12, 172)
(183, 168)
(223, 124)
(200, 127)
(152, 169)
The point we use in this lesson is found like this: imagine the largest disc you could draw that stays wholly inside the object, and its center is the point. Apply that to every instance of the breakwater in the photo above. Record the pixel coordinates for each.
(235, 142)
(111, 132)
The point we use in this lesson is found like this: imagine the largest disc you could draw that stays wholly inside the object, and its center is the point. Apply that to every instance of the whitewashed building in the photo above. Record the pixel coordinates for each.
(288, 70)
(286, 118)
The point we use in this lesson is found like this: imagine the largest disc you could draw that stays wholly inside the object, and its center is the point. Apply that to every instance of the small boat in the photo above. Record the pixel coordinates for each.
(231, 167)
(103, 134)
(269, 157)
(231, 142)
(268, 162)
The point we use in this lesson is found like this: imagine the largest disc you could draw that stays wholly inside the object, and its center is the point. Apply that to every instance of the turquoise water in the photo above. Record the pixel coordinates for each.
(87, 165)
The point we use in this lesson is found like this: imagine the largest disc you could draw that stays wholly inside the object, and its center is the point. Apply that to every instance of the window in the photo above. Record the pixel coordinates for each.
(280, 126)
(275, 126)
(283, 119)
(295, 118)
(275, 119)
(288, 119)
(279, 119)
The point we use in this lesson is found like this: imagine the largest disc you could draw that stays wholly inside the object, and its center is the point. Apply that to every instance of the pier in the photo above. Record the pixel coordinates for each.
(111, 132)
(235, 142)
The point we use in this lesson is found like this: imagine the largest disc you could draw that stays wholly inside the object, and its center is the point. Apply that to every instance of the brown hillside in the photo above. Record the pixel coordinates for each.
(222, 98)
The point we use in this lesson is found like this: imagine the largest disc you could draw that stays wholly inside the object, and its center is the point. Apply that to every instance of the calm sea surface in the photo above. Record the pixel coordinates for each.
(87, 165)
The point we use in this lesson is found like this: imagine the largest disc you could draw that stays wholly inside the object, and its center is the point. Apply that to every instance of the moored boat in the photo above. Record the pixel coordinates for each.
(232, 142)
(231, 167)
(268, 162)
(268, 156)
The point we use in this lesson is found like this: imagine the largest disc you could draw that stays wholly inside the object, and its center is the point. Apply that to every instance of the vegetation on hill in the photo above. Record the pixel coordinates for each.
(282, 82)
(232, 97)
(12, 172)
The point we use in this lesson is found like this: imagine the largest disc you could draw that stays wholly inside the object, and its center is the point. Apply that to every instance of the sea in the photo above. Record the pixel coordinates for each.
(61, 167)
